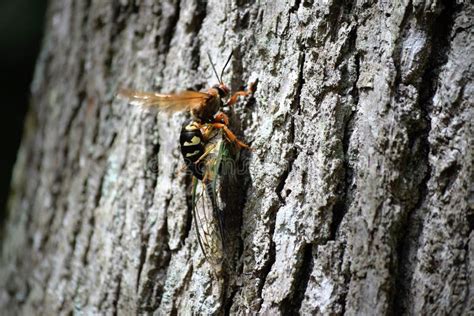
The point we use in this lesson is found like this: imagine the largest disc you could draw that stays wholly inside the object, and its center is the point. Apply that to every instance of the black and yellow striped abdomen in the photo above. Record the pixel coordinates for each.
(192, 148)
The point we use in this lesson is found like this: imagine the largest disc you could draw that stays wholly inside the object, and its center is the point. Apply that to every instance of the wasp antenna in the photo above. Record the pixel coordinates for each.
(226, 63)
(213, 67)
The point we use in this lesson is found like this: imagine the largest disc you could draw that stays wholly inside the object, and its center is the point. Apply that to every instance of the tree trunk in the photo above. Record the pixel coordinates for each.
(356, 199)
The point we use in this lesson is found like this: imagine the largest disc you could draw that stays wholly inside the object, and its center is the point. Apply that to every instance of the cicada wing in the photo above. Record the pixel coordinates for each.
(207, 208)
(183, 101)
(208, 225)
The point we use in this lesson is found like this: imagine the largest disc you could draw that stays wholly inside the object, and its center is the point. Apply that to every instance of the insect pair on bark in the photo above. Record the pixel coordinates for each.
(206, 142)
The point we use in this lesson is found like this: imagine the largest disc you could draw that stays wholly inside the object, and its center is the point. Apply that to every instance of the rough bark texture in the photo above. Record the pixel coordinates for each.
(358, 198)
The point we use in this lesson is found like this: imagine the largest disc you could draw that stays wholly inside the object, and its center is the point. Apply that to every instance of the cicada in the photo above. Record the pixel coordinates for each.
(207, 205)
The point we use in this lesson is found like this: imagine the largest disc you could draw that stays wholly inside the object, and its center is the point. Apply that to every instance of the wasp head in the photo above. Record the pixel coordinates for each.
(222, 89)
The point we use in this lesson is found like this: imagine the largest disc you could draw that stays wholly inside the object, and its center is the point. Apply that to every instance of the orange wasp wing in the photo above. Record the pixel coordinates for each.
(182, 101)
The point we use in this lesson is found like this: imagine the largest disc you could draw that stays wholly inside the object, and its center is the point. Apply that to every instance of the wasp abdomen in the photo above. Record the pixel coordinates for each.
(192, 148)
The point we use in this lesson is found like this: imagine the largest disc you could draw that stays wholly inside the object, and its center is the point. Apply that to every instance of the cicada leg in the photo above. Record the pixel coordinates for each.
(211, 147)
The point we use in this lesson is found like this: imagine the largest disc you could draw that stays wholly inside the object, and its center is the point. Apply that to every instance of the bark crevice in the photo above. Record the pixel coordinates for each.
(291, 304)
(411, 226)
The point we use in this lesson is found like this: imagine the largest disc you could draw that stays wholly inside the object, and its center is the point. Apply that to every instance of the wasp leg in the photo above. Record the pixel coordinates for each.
(221, 117)
(251, 89)
(231, 136)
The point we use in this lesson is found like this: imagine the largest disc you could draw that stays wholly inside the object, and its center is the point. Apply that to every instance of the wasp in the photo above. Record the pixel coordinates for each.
(204, 144)
(205, 107)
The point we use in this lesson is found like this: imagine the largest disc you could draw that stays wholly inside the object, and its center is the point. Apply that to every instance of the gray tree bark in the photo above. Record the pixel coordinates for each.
(357, 199)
